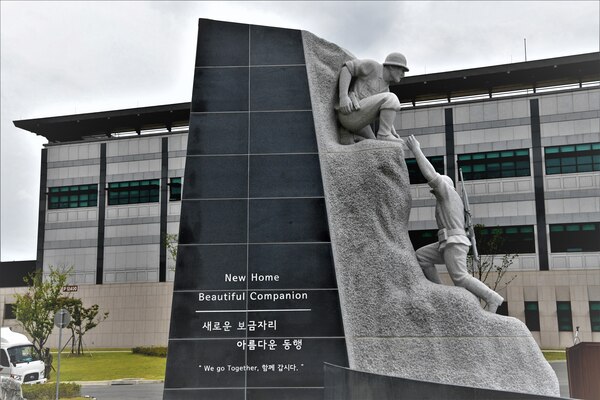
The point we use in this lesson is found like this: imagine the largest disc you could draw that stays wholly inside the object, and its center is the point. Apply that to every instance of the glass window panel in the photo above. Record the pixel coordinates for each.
(568, 161)
(553, 170)
(523, 152)
(573, 228)
(567, 149)
(595, 146)
(583, 147)
(479, 166)
(551, 150)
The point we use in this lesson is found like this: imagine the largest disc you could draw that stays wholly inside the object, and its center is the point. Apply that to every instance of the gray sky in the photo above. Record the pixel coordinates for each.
(61, 58)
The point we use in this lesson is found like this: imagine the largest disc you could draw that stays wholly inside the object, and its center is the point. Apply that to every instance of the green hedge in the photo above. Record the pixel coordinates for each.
(154, 351)
(47, 391)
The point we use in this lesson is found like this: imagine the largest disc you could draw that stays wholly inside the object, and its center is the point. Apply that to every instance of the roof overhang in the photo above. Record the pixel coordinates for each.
(447, 85)
(500, 78)
(71, 128)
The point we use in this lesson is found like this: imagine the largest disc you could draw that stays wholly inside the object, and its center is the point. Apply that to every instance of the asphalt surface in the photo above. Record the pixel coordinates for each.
(140, 390)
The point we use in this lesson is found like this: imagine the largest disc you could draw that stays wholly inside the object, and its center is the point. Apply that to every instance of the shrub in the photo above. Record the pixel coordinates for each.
(47, 391)
(154, 351)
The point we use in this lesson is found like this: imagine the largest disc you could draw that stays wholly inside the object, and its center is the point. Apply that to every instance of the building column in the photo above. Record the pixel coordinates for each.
(538, 183)
(164, 210)
(101, 216)
(39, 264)
(450, 155)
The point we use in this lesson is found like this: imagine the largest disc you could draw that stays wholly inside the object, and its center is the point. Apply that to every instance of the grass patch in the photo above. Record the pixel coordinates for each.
(153, 351)
(47, 391)
(109, 366)
(555, 355)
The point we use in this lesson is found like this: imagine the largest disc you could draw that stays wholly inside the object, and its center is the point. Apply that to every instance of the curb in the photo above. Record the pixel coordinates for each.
(117, 382)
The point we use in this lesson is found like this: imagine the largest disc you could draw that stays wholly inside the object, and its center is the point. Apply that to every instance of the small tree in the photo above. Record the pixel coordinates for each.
(35, 309)
(83, 320)
(70, 304)
(171, 241)
(491, 260)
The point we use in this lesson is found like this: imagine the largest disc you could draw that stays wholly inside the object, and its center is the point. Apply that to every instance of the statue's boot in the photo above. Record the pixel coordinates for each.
(493, 300)
(386, 126)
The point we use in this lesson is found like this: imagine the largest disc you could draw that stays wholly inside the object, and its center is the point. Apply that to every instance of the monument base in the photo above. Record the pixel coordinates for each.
(348, 384)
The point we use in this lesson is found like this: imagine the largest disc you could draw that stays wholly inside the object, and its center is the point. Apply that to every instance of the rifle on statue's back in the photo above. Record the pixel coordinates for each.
(469, 221)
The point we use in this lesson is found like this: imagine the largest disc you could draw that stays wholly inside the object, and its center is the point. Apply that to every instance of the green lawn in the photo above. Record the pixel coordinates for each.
(102, 366)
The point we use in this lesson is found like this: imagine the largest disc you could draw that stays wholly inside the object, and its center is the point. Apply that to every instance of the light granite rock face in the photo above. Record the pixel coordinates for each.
(397, 322)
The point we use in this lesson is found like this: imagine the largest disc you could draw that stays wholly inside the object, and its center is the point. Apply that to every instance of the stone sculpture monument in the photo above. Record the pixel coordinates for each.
(294, 249)
(396, 321)
(364, 97)
(453, 244)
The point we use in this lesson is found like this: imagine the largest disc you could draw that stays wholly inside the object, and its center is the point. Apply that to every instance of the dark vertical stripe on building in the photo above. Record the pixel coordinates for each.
(450, 169)
(164, 202)
(538, 183)
(101, 216)
(39, 265)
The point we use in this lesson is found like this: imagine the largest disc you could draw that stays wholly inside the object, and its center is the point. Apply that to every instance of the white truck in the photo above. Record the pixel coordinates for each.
(18, 358)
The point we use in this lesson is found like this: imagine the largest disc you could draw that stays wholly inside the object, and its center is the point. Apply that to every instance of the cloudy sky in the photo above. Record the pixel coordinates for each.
(61, 58)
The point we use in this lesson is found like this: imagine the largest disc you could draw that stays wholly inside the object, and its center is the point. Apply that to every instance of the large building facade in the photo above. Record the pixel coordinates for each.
(526, 137)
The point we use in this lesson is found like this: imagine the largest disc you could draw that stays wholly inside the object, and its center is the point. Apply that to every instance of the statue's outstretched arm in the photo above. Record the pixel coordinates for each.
(425, 166)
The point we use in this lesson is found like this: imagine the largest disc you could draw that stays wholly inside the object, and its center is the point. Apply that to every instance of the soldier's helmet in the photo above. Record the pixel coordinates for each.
(397, 60)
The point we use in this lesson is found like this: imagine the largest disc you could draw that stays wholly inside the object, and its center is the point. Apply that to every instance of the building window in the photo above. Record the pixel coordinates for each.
(575, 237)
(495, 164)
(134, 192)
(573, 158)
(423, 238)
(532, 316)
(564, 317)
(414, 173)
(595, 315)
(72, 196)
(505, 239)
(175, 189)
(9, 311)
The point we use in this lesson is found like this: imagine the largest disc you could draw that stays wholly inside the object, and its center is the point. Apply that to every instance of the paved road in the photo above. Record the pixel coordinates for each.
(154, 391)
(146, 391)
